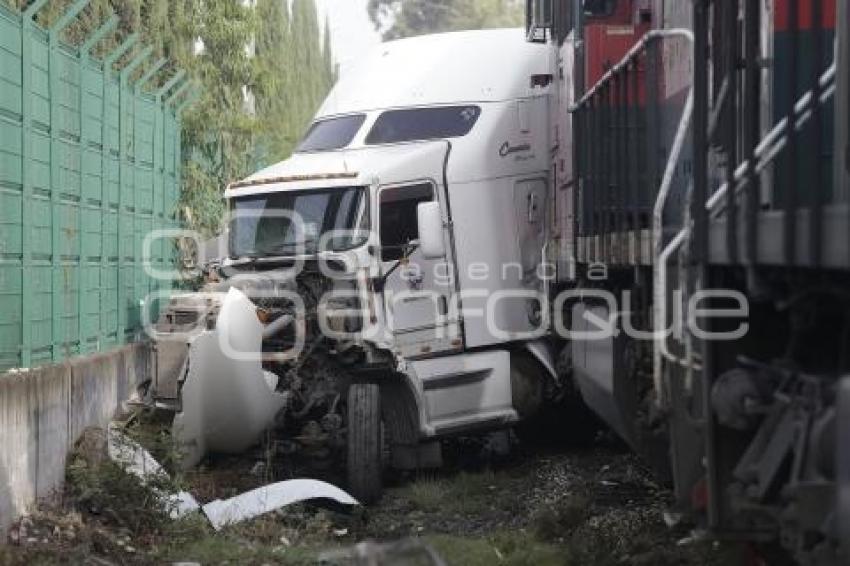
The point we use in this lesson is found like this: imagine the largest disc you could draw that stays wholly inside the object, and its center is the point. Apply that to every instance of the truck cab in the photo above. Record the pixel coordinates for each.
(404, 242)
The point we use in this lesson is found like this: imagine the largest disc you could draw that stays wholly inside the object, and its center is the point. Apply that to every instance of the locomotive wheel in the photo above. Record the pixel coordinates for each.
(365, 449)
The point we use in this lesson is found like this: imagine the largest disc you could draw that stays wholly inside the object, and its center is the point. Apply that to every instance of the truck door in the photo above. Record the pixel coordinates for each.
(418, 293)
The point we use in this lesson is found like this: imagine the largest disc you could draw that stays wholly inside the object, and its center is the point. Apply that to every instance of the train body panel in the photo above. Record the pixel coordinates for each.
(700, 157)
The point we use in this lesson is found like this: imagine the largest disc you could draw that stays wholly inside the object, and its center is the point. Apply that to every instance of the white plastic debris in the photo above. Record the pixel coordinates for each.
(671, 519)
(137, 461)
(228, 400)
(695, 536)
(270, 497)
(134, 459)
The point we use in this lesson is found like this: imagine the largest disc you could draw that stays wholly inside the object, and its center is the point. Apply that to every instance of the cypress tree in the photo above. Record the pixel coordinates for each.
(307, 62)
(329, 68)
(269, 79)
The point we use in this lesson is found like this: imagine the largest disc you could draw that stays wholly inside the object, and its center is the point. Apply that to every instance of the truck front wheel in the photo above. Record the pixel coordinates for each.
(365, 449)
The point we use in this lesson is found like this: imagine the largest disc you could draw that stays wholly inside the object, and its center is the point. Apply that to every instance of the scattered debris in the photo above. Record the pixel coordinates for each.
(671, 519)
(135, 460)
(270, 497)
(477, 515)
(695, 536)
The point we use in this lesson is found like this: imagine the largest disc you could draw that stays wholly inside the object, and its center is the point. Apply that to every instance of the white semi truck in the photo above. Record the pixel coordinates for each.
(395, 264)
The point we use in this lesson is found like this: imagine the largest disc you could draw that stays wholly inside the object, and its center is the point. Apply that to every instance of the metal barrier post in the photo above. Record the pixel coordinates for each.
(128, 158)
(697, 268)
(108, 64)
(27, 26)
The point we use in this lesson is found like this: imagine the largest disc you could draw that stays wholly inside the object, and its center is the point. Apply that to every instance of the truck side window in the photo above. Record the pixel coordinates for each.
(418, 124)
(398, 222)
(332, 133)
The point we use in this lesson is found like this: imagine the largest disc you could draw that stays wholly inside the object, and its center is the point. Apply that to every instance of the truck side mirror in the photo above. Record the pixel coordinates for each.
(430, 230)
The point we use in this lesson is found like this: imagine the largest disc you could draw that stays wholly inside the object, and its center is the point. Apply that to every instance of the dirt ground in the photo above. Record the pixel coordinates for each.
(539, 506)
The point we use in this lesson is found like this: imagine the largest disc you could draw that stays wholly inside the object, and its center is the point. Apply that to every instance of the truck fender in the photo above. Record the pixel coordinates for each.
(402, 407)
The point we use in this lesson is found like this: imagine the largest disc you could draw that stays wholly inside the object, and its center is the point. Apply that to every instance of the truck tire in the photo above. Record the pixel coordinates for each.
(365, 448)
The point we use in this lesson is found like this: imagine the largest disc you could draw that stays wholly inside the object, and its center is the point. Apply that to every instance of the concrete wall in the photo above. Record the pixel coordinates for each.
(43, 412)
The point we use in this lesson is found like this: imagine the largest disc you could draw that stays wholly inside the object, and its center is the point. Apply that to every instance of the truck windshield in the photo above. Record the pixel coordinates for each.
(292, 222)
(330, 134)
(417, 124)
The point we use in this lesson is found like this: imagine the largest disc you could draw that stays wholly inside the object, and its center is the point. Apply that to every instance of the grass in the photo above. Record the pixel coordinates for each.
(506, 548)
(223, 548)
(464, 493)
(469, 518)
(473, 495)
(102, 488)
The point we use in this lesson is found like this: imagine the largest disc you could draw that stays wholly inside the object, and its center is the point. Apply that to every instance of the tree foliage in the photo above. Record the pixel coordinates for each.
(261, 73)
(295, 72)
(405, 18)
(284, 74)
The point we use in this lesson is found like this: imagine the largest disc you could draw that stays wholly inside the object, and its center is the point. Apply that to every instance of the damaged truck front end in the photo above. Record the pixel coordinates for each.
(273, 342)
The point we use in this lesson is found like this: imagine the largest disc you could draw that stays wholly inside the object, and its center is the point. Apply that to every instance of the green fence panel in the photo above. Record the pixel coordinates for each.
(89, 166)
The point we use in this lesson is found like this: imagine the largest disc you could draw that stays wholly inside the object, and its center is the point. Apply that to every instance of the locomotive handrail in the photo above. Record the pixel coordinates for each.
(769, 147)
(632, 54)
(659, 303)
(660, 254)
(775, 140)
(660, 280)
